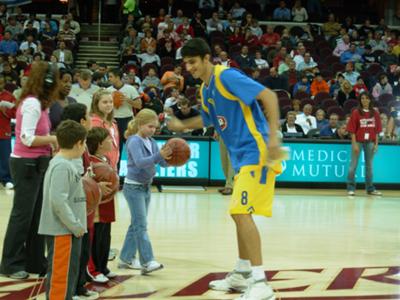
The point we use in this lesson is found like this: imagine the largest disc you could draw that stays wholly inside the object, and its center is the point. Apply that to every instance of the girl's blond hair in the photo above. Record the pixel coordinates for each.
(143, 117)
(94, 109)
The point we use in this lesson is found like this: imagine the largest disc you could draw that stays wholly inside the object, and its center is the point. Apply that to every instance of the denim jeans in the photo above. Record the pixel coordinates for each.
(137, 238)
(368, 148)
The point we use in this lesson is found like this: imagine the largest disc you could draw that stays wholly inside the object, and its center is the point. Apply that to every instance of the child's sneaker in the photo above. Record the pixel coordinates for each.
(234, 281)
(151, 267)
(258, 290)
(134, 264)
(375, 193)
(351, 193)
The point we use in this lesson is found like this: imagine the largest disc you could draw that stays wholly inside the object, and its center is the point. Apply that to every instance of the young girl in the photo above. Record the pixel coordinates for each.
(143, 155)
(364, 126)
(102, 116)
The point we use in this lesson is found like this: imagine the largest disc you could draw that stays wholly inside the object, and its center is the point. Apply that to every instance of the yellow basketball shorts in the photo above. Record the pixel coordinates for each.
(253, 190)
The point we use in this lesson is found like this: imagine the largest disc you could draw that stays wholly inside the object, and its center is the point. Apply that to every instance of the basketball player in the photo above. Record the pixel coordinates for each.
(229, 103)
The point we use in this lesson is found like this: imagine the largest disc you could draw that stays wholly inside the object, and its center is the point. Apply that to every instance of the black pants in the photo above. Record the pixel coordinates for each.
(5, 151)
(122, 126)
(23, 247)
(82, 274)
(101, 246)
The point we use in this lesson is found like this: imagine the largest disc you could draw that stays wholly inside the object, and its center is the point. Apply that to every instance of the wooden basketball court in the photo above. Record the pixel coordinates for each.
(319, 245)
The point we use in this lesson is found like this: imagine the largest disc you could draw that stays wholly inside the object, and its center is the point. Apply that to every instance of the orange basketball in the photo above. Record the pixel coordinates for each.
(118, 98)
(180, 152)
(93, 194)
(103, 172)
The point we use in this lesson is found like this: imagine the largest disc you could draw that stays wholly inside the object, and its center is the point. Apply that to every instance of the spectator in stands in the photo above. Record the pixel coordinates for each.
(185, 111)
(66, 34)
(64, 55)
(299, 57)
(308, 65)
(236, 38)
(185, 25)
(246, 21)
(290, 128)
(57, 108)
(287, 40)
(274, 81)
(319, 85)
(19, 16)
(10, 76)
(152, 80)
(377, 43)
(306, 120)
(53, 60)
(17, 93)
(47, 33)
(389, 58)
(351, 55)
(130, 78)
(250, 39)
(132, 40)
(260, 62)
(153, 101)
(302, 86)
(270, 38)
(83, 91)
(15, 65)
(214, 24)
(3, 13)
(281, 13)
(369, 57)
(365, 28)
(74, 25)
(345, 93)
(149, 57)
(292, 76)
(341, 133)
(171, 102)
(360, 87)
(29, 43)
(331, 28)
(146, 41)
(296, 105)
(330, 129)
(348, 25)
(382, 87)
(244, 60)
(321, 120)
(173, 79)
(207, 7)
(237, 11)
(199, 25)
(14, 28)
(53, 24)
(179, 17)
(350, 74)
(342, 46)
(256, 29)
(364, 126)
(299, 13)
(32, 19)
(279, 57)
(224, 60)
(167, 50)
(7, 45)
(7, 112)
(336, 84)
(284, 66)
(164, 24)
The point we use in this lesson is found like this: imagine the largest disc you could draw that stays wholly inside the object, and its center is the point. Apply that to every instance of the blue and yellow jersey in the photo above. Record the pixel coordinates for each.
(229, 104)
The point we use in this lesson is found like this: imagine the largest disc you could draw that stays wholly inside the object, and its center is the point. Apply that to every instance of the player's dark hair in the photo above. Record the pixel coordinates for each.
(95, 137)
(69, 133)
(75, 112)
(196, 47)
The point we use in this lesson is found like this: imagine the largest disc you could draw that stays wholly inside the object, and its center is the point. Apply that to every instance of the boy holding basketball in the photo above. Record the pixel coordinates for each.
(63, 215)
(229, 103)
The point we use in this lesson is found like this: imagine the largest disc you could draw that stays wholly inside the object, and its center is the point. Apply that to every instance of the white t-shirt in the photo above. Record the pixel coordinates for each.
(304, 121)
(83, 96)
(125, 110)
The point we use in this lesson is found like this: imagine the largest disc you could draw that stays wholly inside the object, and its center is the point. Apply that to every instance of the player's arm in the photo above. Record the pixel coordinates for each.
(174, 124)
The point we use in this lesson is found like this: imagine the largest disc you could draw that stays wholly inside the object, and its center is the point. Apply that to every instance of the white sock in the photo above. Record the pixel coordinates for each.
(257, 272)
(243, 265)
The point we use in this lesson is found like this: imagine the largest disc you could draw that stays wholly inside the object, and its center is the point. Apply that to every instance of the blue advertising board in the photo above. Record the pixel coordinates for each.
(196, 168)
(326, 162)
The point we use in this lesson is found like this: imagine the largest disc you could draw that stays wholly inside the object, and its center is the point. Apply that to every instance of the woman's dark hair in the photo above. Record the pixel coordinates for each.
(370, 106)
(75, 112)
(64, 71)
(196, 47)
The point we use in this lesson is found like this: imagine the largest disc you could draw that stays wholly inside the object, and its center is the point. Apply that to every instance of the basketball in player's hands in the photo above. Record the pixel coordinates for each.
(104, 173)
(180, 152)
(118, 98)
(92, 192)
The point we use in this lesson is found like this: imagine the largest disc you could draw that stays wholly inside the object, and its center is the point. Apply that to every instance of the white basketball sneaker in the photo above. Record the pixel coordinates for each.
(234, 281)
(258, 290)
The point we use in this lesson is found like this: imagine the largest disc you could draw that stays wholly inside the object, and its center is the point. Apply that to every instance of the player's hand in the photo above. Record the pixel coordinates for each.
(174, 124)
(375, 148)
(104, 187)
(166, 152)
(80, 233)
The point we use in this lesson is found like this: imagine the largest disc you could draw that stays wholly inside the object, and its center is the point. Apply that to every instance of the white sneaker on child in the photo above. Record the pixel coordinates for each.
(111, 275)
(151, 267)
(234, 281)
(9, 186)
(134, 264)
(258, 290)
(99, 278)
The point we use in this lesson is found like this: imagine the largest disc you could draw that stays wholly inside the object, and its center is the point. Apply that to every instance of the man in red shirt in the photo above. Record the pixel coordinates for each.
(364, 126)
(7, 112)
(270, 38)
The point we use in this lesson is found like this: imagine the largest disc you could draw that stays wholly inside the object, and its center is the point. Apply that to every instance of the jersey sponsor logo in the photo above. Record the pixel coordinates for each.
(222, 122)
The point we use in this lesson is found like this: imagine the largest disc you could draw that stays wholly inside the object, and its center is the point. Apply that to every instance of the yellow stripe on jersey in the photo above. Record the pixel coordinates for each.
(203, 106)
(247, 113)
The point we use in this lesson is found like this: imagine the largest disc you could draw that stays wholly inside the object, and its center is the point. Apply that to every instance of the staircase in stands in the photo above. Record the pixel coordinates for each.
(103, 50)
